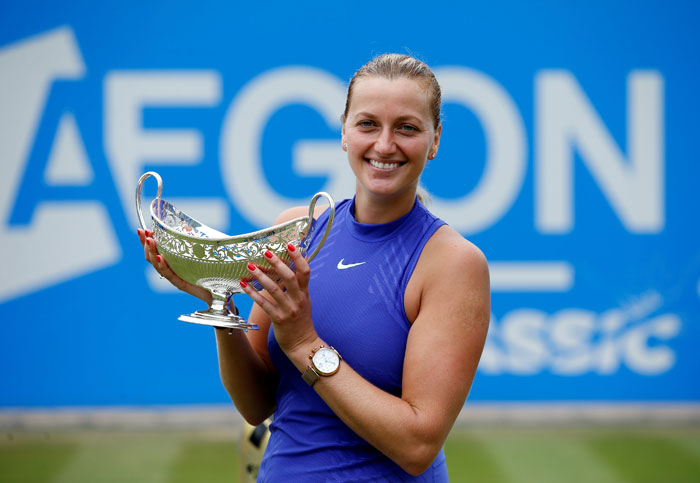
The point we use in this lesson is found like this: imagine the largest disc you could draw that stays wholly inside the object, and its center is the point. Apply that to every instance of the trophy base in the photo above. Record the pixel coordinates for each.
(228, 321)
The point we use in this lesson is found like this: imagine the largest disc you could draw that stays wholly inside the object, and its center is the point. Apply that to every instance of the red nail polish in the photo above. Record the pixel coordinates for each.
(291, 247)
(138, 232)
(251, 266)
(243, 284)
(159, 258)
(268, 254)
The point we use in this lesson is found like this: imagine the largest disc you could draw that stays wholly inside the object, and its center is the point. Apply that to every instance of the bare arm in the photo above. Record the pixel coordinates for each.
(444, 345)
(244, 365)
(246, 370)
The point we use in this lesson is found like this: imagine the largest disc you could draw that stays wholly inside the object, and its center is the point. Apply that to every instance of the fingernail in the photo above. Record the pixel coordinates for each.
(243, 284)
(139, 232)
(268, 254)
(251, 266)
(159, 258)
(291, 247)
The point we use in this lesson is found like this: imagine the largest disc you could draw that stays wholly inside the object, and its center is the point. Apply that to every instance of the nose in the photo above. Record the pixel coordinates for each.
(385, 145)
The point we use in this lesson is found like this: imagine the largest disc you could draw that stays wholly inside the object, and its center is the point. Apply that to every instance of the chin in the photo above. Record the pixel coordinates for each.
(386, 191)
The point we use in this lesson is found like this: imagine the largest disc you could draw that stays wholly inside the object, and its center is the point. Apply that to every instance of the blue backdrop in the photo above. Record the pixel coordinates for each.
(569, 155)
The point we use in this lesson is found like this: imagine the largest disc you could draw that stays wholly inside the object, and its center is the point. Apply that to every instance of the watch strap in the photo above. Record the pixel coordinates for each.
(310, 376)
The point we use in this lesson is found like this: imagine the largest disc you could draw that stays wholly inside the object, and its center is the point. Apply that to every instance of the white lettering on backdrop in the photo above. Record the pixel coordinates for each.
(51, 249)
(523, 341)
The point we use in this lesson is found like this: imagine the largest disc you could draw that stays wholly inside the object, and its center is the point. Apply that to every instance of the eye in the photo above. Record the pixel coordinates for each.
(408, 128)
(365, 124)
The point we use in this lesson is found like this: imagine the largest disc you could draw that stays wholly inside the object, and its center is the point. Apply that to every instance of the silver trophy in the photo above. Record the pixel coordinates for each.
(217, 262)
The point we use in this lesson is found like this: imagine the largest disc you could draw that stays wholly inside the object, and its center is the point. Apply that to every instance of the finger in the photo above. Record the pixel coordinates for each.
(150, 250)
(301, 267)
(270, 272)
(146, 249)
(283, 273)
(269, 285)
(268, 306)
(167, 273)
(142, 238)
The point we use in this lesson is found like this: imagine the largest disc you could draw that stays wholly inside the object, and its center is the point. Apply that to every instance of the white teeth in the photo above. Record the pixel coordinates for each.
(379, 165)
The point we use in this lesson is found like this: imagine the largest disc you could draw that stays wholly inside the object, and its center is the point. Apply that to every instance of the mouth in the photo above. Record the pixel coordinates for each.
(385, 165)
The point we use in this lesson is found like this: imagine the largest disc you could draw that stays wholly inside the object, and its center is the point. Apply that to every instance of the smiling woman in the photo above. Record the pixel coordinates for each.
(346, 357)
(388, 134)
(393, 120)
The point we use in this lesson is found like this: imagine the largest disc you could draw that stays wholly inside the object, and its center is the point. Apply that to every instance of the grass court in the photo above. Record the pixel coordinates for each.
(482, 454)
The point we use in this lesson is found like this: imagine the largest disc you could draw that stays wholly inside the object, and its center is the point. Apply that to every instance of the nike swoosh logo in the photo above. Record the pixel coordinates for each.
(342, 266)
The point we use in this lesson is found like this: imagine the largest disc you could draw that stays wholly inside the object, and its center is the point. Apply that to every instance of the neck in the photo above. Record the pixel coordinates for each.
(372, 210)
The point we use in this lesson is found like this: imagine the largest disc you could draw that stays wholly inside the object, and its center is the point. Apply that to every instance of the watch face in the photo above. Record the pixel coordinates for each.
(326, 361)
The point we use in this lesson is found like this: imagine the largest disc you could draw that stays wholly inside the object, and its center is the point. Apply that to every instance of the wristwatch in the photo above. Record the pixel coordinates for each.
(325, 361)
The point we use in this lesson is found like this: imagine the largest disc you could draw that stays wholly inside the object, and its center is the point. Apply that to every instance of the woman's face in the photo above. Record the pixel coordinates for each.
(389, 134)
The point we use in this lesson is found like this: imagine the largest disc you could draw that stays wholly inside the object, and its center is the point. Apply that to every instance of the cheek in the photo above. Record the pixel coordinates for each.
(419, 148)
(357, 147)
(355, 138)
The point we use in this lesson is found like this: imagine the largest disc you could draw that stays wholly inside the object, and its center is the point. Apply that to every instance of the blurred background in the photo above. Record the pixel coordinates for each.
(568, 156)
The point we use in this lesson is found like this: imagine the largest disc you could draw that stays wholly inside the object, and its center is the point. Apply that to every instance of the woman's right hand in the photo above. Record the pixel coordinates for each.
(150, 251)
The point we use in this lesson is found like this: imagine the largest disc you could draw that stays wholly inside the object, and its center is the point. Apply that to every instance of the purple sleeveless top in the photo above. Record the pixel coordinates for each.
(357, 290)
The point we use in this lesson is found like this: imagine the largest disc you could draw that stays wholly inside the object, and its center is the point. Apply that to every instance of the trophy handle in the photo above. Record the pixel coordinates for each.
(138, 193)
(331, 216)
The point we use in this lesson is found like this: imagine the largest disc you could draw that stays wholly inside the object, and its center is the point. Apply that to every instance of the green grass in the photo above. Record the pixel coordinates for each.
(600, 455)
(483, 454)
(34, 459)
(118, 456)
(208, 461)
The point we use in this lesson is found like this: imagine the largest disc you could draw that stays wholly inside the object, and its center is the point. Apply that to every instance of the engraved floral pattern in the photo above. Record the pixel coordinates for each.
(229, 251)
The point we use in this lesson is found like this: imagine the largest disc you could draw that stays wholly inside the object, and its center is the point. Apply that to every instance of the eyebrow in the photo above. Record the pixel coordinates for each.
(409, 117)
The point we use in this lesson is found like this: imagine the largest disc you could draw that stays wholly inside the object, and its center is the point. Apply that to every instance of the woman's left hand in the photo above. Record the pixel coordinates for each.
(286, 302)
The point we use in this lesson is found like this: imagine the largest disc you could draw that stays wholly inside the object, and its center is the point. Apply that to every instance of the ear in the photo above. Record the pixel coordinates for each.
(436, 142)
(438, 133)
(343, 142)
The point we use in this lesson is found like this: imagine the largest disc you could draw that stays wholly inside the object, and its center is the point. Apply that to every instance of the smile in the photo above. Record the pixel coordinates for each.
(385, 166)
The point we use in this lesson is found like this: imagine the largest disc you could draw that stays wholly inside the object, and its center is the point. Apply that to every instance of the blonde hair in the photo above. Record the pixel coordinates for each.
(397, 66)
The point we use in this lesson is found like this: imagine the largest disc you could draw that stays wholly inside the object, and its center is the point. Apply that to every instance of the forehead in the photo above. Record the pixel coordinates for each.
(379, 95)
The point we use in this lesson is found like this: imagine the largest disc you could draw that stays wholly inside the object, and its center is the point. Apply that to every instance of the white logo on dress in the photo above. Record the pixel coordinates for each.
(342, 266)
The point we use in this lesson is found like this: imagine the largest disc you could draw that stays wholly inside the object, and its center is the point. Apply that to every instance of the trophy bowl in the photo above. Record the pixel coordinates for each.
(217, 262)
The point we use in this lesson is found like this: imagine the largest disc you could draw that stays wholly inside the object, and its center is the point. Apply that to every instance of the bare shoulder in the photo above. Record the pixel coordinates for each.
(451, 277)
(449, 253)
(453, 285)
(298, 211)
